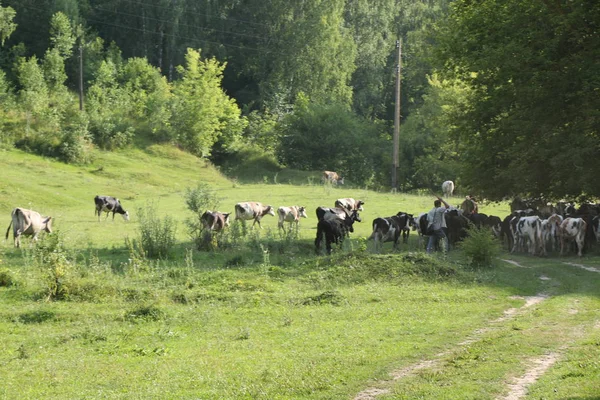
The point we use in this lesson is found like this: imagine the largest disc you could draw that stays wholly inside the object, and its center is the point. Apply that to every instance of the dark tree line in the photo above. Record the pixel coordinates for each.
(489, 90)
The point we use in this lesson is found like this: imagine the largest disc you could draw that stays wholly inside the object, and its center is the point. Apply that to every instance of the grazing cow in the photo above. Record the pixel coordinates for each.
(27, 223)
(448, 188)
(109, 204)
(332, 177)
(334, 231)
(529, 230)
(572, 229)
(388, 229)
(495, 223)
(214, 220)
(290, 214)
(457, 225)
(350, 204)
(252, 210)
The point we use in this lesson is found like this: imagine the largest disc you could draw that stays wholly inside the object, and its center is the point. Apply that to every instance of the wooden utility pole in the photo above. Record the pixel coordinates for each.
(80, 78)
(396, 150)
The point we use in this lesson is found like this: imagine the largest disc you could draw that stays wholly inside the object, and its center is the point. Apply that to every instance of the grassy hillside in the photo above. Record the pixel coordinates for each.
(243, 323)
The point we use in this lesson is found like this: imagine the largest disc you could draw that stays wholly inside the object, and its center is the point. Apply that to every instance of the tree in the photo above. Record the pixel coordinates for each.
(202, 112)
(33, 92)
(531, 125)
(61, 35)
(7, 26)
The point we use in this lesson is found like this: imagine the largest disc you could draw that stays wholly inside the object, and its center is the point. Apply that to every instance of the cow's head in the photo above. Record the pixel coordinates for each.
(359, 205)
(48, 224)
(126, 216)
(302, 212)
(355, 217)
(270, 210)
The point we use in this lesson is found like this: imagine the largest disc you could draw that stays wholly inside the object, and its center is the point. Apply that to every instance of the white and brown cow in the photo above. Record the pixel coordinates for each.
(550, 228)
(447, 188)
(215, 220)
(572, 229)
(28, 223)
(252, 210)
(528, 231)
(350, 204)
(290, 214)
(332, 177)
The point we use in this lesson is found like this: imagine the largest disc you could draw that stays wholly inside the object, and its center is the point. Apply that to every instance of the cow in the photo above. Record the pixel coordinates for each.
(529, 230)
(327, 213)
(388, 229)
(333, 231)
(350, 204)
(448, 188)
(290, 214)
(109, 204)
(596, 227)
(495, 223)
(550, 227)
(572, 228)
(214, 220)
(252, 210)
(457, 225)
(332, 178)
(28, 223)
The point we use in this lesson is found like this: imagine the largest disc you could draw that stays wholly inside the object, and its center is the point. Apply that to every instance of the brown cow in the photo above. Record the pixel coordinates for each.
(332, 177)
(28, 223)
(350, 204)
(290, 214)
(252, 210)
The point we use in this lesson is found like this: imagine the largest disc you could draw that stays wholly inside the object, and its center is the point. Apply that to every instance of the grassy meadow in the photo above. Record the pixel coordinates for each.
(268, 319)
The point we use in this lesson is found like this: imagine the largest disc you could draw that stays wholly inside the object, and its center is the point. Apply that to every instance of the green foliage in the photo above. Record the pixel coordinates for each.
(33, 92)
(480, 248)
(54, 71)
(202, 112)
(76, 144)
(532, 69)
(156, 234)
(7, 26)
(61, 34)
(7, 278)
(52, 258)
(198, 200)
(330, 137)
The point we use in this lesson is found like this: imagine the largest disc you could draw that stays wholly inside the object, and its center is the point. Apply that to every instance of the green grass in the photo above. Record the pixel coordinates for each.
(241, 323)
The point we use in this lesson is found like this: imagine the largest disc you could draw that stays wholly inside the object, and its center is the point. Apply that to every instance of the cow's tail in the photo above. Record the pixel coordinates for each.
(8, 230)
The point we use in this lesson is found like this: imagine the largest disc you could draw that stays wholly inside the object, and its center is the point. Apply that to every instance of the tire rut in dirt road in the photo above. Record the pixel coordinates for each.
(372, 392)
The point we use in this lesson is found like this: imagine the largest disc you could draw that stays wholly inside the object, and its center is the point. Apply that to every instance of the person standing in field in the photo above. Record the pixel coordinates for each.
(437, 223)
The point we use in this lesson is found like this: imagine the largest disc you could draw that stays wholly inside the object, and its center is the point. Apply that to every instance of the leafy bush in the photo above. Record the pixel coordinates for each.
(76, 143)
(480, 248)
(198, 200)
(6, 278)
(157, 236)
(51, 258)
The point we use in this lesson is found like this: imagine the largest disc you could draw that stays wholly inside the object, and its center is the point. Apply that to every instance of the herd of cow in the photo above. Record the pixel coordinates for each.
(527, 228)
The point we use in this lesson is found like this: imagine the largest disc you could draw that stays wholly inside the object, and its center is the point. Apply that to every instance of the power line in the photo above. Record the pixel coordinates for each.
(186, 25)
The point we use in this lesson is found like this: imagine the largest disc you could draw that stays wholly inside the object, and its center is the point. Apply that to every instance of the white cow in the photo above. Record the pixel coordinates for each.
(448, 188)
(28, 223)
(350, 204)
(252, 210)
(572, 229)
(290, 214)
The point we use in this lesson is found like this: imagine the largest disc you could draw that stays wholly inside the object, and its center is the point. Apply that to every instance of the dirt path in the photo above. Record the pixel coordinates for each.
(382, 388)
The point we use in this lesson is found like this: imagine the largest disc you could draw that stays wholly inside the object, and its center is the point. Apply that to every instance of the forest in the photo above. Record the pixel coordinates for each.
(501, 96)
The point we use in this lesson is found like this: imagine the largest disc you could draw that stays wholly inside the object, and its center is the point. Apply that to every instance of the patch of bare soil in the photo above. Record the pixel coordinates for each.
(514, 263)
(373, 392)
(539, 366)
(591, 269)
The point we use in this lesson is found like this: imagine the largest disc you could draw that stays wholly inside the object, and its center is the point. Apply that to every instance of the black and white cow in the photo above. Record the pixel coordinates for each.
(550, 229)
(528, 231)
(333, 231)
(572, 229)
(327, 213)
(215, 220)
(388, 229)
(252, 210)
(109, 204)
(27, 223)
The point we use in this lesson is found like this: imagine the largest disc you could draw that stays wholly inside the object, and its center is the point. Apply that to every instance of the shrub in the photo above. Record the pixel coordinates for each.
(6, 278)
(51, 258)
(157, 236)
(480, 248)
(198, 200)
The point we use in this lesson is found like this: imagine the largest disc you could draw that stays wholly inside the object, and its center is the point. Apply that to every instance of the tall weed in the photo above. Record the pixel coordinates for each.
(157, 235)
